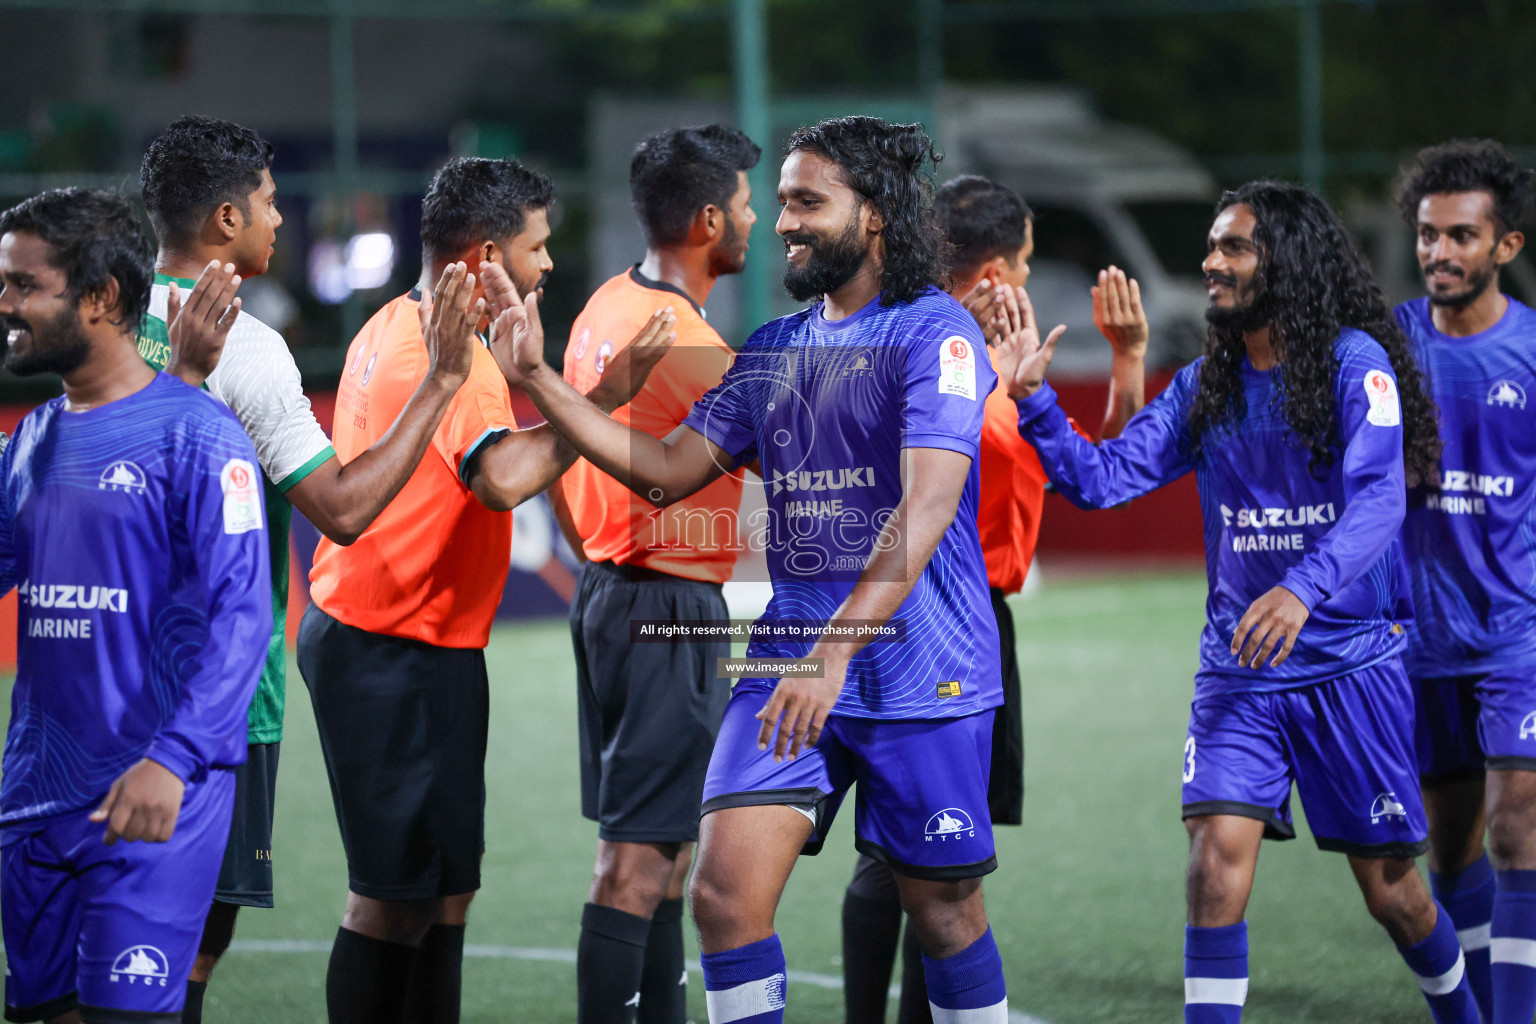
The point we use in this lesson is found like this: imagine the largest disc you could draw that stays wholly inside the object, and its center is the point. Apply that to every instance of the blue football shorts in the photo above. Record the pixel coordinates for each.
(114, 927)
(921, 804)
(1470, 723)
(1346, 744)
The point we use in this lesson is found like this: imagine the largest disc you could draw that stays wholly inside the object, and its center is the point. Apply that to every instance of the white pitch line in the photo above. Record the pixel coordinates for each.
(547, 955)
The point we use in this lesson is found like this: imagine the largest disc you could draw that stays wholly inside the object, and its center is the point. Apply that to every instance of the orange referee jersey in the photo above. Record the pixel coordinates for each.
(1012, 492)
(697, 538)
(432, 566)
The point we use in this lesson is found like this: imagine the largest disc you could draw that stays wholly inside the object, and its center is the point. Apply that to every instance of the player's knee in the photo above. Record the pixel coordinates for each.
(1399, 902)
(404, 922)
(1512, 836)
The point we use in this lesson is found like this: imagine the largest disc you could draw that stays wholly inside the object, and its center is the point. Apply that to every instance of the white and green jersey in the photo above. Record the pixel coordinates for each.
(258, 380)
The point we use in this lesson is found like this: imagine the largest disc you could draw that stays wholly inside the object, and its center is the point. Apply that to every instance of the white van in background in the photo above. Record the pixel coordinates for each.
(1103, 193)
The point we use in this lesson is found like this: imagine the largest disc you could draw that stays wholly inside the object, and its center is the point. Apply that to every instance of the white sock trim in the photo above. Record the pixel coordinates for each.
(1447, 982)
(745, 1000)
(1474, 939)
(997, 1013)
(1513, 951)
(1230, 991)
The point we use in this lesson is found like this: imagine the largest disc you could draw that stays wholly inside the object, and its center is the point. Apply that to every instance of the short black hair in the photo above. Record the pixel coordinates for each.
(196, 165)
(890, 166)
(474, 199)
(1468, 165)
(93, 237)
(676, 173)
(982, 219)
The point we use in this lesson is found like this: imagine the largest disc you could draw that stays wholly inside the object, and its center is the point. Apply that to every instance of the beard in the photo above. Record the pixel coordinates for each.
(828, 266)
(1477, 281)
(1252, 312)
(58, 345)
(730, 255)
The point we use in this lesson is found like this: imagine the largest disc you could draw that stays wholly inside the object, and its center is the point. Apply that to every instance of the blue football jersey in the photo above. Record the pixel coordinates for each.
(1471, 536)
(1332, 541)
(133, 534)
(828, 407)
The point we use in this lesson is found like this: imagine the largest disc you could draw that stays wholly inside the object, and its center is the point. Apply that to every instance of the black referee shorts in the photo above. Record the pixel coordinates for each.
(1005, 792)
(403, 728)
(648, 712)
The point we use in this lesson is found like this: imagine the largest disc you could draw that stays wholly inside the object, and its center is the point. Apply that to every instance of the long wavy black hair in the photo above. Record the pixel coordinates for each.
(1315, 282)
(891, 167)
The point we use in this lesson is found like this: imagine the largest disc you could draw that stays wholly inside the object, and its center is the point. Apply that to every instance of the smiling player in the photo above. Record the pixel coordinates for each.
(1472, 651)
(1300, 422)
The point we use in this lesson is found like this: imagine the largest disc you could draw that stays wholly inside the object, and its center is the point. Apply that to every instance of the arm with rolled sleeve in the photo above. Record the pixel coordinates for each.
(1375, 494)
(231, 558)
(1148, 453)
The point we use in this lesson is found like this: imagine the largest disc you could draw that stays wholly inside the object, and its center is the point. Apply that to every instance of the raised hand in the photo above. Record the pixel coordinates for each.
(142, 805)
(1276, 616)
(984, 302)
(198, 328)
(517, 333)
(1117, 312)
(448, 323)
(627, 371)
(1022, 357)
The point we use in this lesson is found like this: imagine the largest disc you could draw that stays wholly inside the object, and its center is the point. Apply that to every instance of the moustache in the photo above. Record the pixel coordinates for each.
(1445, 267)
(11, 324)
(1215, 277)
(800, 238)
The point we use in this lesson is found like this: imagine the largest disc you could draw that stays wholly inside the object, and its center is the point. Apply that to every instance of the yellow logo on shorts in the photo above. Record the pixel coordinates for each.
(1397, 629)
(949, 689)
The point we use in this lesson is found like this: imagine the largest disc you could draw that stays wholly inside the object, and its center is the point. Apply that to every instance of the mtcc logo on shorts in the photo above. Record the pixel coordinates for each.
(1387, 806)
(950, 823)
(141, 963)
(1528, 727)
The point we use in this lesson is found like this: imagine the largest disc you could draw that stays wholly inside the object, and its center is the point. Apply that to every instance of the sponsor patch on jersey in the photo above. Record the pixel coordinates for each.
(1382, 395)
(949, 689)
(242, 496)
(957, 368)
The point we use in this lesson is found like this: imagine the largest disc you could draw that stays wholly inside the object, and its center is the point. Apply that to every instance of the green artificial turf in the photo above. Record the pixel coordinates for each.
(1087, 905)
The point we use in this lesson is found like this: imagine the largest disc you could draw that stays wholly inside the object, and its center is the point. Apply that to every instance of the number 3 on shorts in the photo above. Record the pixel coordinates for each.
(1189, 759)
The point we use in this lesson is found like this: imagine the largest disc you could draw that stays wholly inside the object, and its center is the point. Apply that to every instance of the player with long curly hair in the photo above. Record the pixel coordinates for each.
(1302, 423)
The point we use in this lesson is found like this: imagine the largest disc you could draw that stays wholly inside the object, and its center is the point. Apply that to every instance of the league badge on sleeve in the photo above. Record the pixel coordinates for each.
(242, 496)
(1381, 393)
(957, 368)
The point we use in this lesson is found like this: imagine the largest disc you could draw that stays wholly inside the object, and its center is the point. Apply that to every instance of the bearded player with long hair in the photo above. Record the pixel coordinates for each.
(1304, 422)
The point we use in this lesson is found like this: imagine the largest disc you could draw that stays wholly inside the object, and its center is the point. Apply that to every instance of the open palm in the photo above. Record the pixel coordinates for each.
(1022, 358)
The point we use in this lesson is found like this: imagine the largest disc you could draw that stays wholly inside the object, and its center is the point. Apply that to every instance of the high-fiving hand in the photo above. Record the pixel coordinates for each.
(627, 371)
(449, 322)
(1022, 358)
(198, 327)
(1117, 312)
(517, 333)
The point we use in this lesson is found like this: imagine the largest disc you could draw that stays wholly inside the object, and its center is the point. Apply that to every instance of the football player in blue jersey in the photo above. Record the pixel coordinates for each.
(1472, 562)
(131, 527)
(864, 414)
(1303, 422)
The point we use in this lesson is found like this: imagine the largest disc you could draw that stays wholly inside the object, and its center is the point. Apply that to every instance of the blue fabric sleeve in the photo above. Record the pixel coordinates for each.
(723, 413)
(945, 396)
(8, 574)
(1375, 493)
(235, 572)
(1148, 453)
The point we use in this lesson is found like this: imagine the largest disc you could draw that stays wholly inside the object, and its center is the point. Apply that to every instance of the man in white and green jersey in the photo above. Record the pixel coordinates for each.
(208, 188)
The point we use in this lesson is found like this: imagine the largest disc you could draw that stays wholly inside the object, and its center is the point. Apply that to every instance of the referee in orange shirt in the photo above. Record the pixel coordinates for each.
(649, 712)
(392, 647)
(992, 231)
